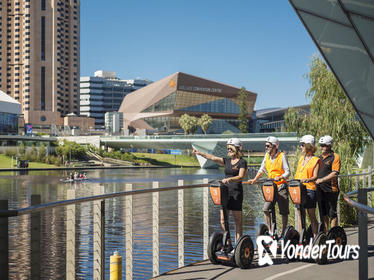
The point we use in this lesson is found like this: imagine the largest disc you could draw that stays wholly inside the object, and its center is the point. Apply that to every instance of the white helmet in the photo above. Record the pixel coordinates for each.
(326, 140)
(273, 140)
(235, 142)
(307, 139)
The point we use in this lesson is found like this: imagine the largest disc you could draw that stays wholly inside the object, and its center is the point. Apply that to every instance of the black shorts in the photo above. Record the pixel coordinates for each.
(311, 200)
(328, 203)
(235, 199)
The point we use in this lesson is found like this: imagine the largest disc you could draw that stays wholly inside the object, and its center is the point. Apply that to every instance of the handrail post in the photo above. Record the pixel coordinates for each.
(99, 236)
(357, 181)
(128, 228)
(70, 237)
(35, 239)
(338, 204)
(369, 186)
(362, 236)
(4, 242)
(205, 219)
(155, 226)
(180, 225)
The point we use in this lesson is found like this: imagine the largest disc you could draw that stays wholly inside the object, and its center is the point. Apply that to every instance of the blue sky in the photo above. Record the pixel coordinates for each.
(261, 45)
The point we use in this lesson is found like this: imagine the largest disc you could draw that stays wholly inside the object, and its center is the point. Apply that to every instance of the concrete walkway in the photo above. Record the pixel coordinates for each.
(282, 269)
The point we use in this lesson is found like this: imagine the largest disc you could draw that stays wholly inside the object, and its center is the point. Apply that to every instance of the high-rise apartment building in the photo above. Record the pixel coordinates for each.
(104, 93)
(39, 62)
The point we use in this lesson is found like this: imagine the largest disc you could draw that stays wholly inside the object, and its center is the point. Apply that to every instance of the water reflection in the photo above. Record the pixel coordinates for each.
(18, 190)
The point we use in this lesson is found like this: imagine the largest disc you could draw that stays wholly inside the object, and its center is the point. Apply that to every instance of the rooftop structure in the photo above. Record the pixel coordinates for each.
(343, 32)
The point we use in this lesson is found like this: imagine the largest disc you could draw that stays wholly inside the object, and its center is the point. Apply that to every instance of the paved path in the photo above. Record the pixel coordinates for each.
(282, 269)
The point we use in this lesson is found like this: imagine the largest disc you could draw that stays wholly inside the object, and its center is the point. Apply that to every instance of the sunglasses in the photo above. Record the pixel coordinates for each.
(268, 146)
(323, 145)
(230, 150)
(302, 145)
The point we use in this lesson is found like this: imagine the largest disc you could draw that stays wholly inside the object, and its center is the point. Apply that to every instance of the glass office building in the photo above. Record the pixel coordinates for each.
(159, 106)
(104, 93)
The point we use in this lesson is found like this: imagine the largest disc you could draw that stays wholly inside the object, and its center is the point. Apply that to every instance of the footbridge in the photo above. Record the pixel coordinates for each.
(210, 143)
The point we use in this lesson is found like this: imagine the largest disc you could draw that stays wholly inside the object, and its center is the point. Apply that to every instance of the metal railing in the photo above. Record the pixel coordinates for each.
(99, 225)
(362, 212)
(99, 228)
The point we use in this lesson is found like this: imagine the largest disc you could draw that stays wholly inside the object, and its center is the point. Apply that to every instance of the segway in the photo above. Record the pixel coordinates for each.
(270, 193)
(298, 192)
(219, 251)
(336, 233)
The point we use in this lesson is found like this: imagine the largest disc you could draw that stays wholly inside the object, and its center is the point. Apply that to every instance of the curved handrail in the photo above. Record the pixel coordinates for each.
(357, 205)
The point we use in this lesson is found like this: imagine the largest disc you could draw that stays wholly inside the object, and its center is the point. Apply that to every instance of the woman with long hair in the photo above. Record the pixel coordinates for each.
(307, 171)
(235, 169)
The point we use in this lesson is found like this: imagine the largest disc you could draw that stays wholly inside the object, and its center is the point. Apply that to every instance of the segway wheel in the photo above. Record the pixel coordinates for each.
(215, 244)
(293, 236)
(321, 239)
(262, 230)
(244, 252)
(308, 234)
(338, 234)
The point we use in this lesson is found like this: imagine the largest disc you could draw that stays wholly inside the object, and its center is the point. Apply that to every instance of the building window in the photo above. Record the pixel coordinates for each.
(43, 5)
(42, 88)
(43, 39)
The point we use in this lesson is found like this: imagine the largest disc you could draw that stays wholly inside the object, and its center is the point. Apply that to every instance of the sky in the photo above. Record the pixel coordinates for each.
(261, 45)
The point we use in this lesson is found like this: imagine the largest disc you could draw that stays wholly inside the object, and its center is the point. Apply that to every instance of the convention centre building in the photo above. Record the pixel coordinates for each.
(158, 106)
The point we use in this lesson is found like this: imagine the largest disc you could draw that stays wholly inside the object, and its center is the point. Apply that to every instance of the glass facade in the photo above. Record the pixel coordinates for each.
(8, 123)
(224, 105)
(343, 32)
(166, 104)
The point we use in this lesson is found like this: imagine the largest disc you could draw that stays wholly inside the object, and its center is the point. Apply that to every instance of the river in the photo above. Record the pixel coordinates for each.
(18, 189)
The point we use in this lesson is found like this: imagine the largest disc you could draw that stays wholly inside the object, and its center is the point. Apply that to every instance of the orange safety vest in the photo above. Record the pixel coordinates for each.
(275, 169)
(306, 171)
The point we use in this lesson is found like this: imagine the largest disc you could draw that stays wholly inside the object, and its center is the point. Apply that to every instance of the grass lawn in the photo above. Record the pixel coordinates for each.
(166, 159)
(5, 162)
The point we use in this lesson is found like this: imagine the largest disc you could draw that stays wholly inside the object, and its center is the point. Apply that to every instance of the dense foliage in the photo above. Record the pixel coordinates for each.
(243, 110)
(331, 113)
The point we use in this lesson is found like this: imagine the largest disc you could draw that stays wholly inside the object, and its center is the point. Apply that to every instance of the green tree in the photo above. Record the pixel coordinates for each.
(205, 121)
(22, 149)
(331, 113)
(243, 110)
(42, 153)
(188, 123)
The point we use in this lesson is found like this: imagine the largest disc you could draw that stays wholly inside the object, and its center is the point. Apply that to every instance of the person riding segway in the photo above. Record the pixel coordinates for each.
(275, 164)
(299, 196)
(307, 170)
(328, 191)
(235, 169)
(220, 250)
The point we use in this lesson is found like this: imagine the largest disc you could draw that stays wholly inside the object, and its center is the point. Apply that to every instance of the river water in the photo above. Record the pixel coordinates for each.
(17, 189)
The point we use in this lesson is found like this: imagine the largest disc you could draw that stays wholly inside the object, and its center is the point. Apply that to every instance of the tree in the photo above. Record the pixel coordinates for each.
(42, 152)
(243, 110)
(331, 113)
(22, 149)
(205, 121)
(188, 123)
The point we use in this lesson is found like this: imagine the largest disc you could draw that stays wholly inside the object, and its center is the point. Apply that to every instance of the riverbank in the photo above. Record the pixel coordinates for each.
(6, 163)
